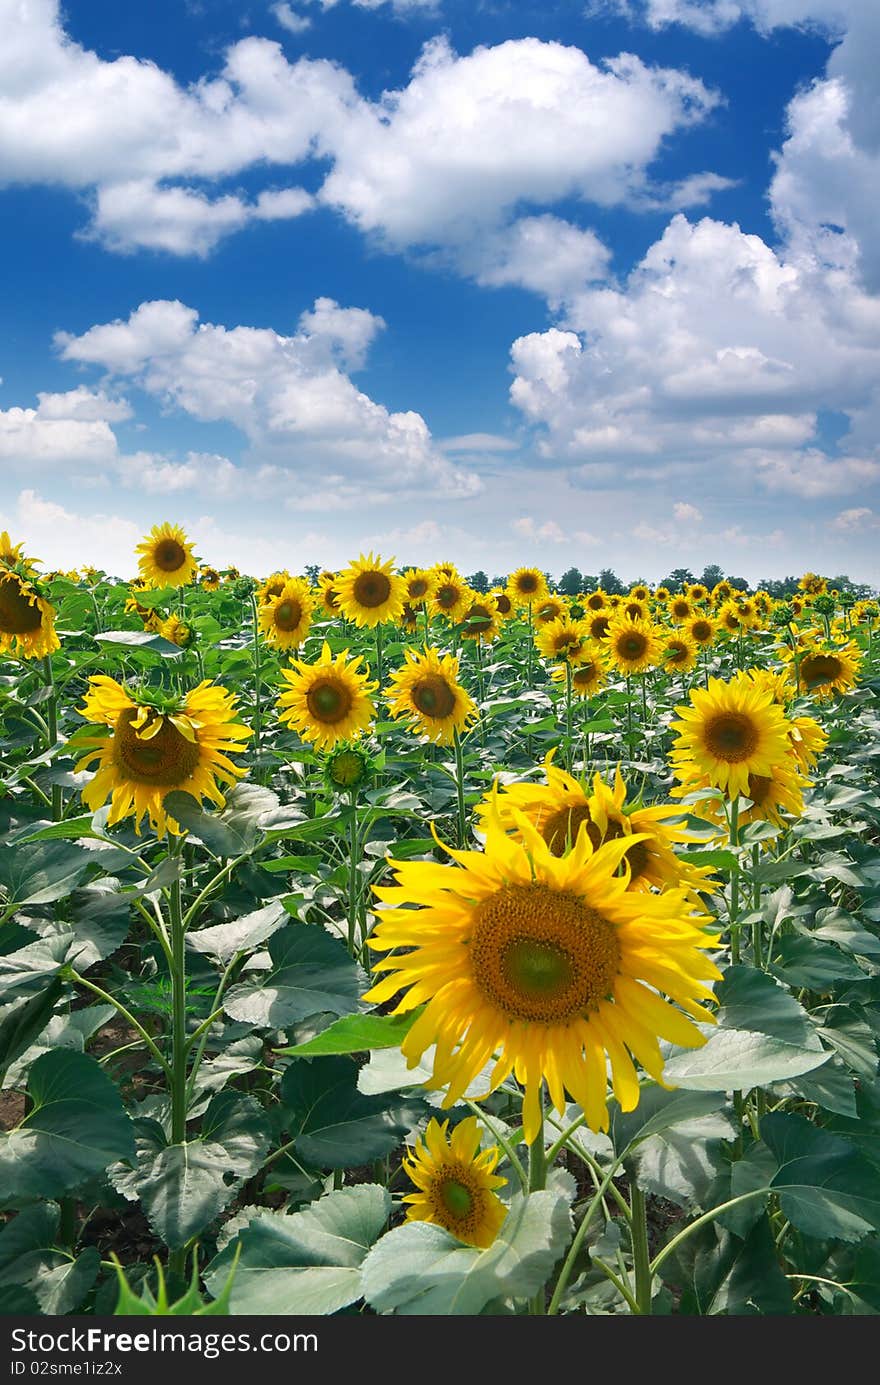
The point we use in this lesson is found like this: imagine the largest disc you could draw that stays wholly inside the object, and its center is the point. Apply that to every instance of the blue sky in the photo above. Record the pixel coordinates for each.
(577, 283)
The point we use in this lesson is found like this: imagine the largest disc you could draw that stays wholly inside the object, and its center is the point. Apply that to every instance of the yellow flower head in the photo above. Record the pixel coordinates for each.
(166, 557)
(420, 584)
(547, 964)
(633, 645)
(327, 701)
(730, 731)
(273, 586)
(679, 653)
(370, 592)
(589, 670)
(450, 597)
(481, 621)
(27, 620)
(702, 629)
(456, 1183)
(527, 586)
(285, 619)
(823, 669)
(210, 579)
(562, 638)
(427, 693)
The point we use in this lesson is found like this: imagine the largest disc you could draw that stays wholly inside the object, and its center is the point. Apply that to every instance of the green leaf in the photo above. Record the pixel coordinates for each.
(657, 1112)
(183, 1187)
(76, 1126)
(43, 872)
(98, 919)
(21, 1023)
(308, 1262)
(733, 1060)
(332, 1124)
(752, 1000)
(826, 1187)
(681, 1162)
(311, 974)
(28, 970)
(356, 1034)
(224, 940)
(421, 1269)
(140, 639)
(737, 1277)
(802, 961)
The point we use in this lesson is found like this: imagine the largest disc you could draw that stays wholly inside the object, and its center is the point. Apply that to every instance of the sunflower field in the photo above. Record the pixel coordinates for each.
(377, 946)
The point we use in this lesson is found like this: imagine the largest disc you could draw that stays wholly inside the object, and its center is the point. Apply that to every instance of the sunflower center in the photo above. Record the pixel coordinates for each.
(583, 675)
(632, 646)
(287, 614)
(418, 588)
(479, 619)
(731, 736)
(701, 631)
(820, 668)
(680, 608)
(371, 589)
(505, 604)
(169, 555)
(433, 697)
(561, 828)
(678, 654)
(527, 583)
(328, 701)
(542, 955)
(595, 602)
(599, 627)
(457, 1198)
(347, 768)
(447, 596)
(166, 759)
(17, 615)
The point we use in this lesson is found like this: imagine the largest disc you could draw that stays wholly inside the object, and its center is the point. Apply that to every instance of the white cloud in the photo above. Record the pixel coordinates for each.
(550, 532)
(140, 214)
(83, 405)
(29, 440)
(477, 442)
(290, 20)
(542, 253)
(289, 395)
(65, 539)
(811, 474)
(686, 513)
(851, 521)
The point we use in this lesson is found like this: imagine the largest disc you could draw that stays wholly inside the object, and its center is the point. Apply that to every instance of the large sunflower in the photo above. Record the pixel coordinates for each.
(27, 621)
(481, 621)
(456, 1183)
(369, 591)
(152, 750)
(285, 619)
(166, 557)
(329, 700)
(426, 692)
(527, 586)
(633, 645)
(823, 669)
(545, 963)
(729, 732)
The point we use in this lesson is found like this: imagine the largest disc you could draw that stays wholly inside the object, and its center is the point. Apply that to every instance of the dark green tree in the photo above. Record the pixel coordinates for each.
(479, 581)
(712, 574)
(571, 582)
(679, 577)
(311, 571)
(610, 582)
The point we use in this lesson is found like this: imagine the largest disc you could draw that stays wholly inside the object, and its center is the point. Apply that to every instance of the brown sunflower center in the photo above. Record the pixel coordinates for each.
(731, 736)
(820, 668)
(599, 627)
(433, 697)
(701, 631)
(504, 603)
(17, 615)
(287, 614)
(636, 855)
(633, 609)
(273, 589)
(329, 700)
(418, 588)
(169, 555)
(542, 955)
(595, 602)
(448, 595)
(479, 619)
(560, 830)
(165, 760)
(677, 653)
(584, 674)
(681, 608)
(371, 589)
(631, 646)
(527, 583)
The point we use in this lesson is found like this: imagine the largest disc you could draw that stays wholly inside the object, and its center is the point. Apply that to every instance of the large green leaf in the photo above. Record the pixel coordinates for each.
(818, 966)
(76, 1126)
(183, 1187)
(311, 974)
(97, 915)
(236, 829)
(679, 1147)
(30, 1256)
(140, 639)
(308, 1262)
(224, 940)
(356, 1034)
(826, 1187)
(332, 1124)
(732, 1276)
(42, 872)
(733, 1060)
(23, 1021)
(751, 1000)
(421, 1269)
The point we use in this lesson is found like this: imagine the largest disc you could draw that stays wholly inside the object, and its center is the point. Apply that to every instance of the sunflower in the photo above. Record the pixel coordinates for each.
(680, 608)
(812, 584)
(426, 691)
(698, 592)
(546, 963)
(721, 592)
(561, 638)
(662, 595)
(550, 608)
(527, 586)
(730, 731)
(808, 740)
(450, 598)
(285, 618)
(480, 621)
(823, 668)
(420, 583)
(598, 623)
(272, 587)
(729, 618)
(633, 645)
(166, 557)
(369, 591)
(771, 795)
(596, 601)
(409, 618)
(503, 603)
(589, 670)
(701, 629)
(679, 654)
(749, 614)
(635, 609)
(153, 749)
(176, 631)
(640, 592)
(456, 1184)
(210, 579)
(12, 555)
(327, 701)
(329, 593)
(27, 621)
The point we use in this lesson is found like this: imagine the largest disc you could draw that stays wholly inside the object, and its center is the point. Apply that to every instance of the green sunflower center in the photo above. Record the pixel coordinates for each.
(169, 555)
(287, 614)
(165, 760)
(329, 700)
(371, 589)
(457, 1198)
(433, 697)
(731, 736)
(347, 768)
(631, 647)
(17, 615)
(541, 955)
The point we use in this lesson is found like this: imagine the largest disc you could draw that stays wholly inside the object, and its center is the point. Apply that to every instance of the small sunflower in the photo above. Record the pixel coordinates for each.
(698, 593)
(209, 579)
(456, 1183)
(503, 603)
(548, 964)
(327, 701)
(27, 620)
(680, 608)
(640, 592)
(152, 750)
(812, 584)
(285, 619)
(772, 796)
(13, 555)
(702, 629)
(729, 618)
(272, 587)
(679, 654)
(369, 591)
(480, 621)
(347, 767)
(824, 669)
(450, 598)
(633, 645)
(561, 638)
(596, 601)
(635, 609)
(166, 557)
(177, 631)
(329, 593)
(721, 592)
(599, 622)
(550, 608)
(589, 670)
(729, 731)
(409, 618)
(426, 692)
(420, 584)
(527, 586)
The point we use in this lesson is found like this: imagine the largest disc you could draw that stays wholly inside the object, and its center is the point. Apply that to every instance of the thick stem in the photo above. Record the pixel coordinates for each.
(641, 1255)
(569, 739)
(52, 734)
(734, 880)
(757, 937)
(353, 876)
(459, 786)
(179, 1046)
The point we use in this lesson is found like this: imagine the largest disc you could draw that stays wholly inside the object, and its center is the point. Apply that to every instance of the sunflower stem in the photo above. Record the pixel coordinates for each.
(52, 733)
(734, 880)
(459, 788)
(757, 938)
(630, 742)
(258, 685)
(353, 877)
(569, 739)
(379, 668)
(641, 1255)
(179, 1046)
(537, 1182)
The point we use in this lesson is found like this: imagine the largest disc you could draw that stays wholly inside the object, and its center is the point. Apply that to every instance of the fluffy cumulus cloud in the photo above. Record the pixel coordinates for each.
(291, 397)
(715, 347)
